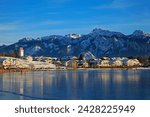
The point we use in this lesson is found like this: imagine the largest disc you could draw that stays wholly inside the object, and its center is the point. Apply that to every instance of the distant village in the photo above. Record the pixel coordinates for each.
(84, 60)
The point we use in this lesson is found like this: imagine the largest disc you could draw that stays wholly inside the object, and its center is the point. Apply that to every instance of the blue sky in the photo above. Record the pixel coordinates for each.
(36, 18)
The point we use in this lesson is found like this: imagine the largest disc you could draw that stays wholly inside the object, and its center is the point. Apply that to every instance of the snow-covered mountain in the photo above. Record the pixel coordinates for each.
(99, 42)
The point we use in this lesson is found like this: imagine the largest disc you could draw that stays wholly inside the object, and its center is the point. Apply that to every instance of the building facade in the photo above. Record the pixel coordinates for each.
(21, 52)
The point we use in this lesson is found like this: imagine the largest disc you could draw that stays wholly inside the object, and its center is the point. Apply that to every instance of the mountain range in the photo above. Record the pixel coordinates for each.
(99, 42)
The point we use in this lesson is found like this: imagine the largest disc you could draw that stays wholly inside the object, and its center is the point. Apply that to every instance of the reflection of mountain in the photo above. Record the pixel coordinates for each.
(99, 42)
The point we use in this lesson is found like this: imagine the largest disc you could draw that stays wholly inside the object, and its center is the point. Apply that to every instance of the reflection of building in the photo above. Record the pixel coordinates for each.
(21, 52)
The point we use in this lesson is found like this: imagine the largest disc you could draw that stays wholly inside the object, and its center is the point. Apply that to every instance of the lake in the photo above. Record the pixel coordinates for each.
(99, 84)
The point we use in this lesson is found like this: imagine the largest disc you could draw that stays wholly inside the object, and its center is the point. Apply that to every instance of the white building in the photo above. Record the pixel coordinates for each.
(21, 52)
(20, 63)
(133, 62)
(8, 62)
(29, 58)
(104, 63)
(42, 65)
(83, 63)
(72, 64)
(116, 63)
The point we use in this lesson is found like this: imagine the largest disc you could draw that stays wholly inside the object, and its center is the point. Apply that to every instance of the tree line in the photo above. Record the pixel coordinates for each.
(14, 54)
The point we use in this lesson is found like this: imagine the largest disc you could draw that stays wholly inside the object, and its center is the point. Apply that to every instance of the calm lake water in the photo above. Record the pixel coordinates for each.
(76, 85)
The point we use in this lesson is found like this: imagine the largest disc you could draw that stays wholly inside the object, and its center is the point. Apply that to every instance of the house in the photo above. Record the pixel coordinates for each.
(104, 63)
(48, 60)
(94, 63)
(9, 63)
(83, 64)
(58, 64)
(29, 58)
(133, 62)
(42, 65)
(116, 63)
(37, 59)
(74, 58)
(20, 63)
(45, 59)
(72, 64)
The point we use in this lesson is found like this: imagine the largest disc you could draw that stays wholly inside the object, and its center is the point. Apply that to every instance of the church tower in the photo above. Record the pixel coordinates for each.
(21, 52)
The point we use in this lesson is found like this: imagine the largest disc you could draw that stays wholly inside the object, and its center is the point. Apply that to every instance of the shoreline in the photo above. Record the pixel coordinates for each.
(14, 70)
(29, 70)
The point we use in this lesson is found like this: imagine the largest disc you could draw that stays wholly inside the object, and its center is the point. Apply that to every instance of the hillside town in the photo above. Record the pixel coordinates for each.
(85, 60)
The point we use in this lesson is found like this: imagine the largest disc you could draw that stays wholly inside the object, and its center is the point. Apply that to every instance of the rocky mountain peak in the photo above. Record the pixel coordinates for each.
(99, 42)
(99, 31)
(140, 33)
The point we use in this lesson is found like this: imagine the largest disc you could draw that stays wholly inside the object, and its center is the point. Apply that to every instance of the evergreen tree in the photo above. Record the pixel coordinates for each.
(15, 54)
(81, 57)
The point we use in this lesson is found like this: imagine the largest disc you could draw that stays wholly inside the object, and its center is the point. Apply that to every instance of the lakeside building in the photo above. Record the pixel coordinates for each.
(54, 63)
(131, 62)
(93, 63)
(8, 62)
(72, 64)
(83, 64)
(17, 63)
(116, 63)
(104, 63)
(21, 52)
(29, 58)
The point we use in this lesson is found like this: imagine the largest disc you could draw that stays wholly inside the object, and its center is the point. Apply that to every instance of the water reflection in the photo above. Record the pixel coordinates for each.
(80, 84)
